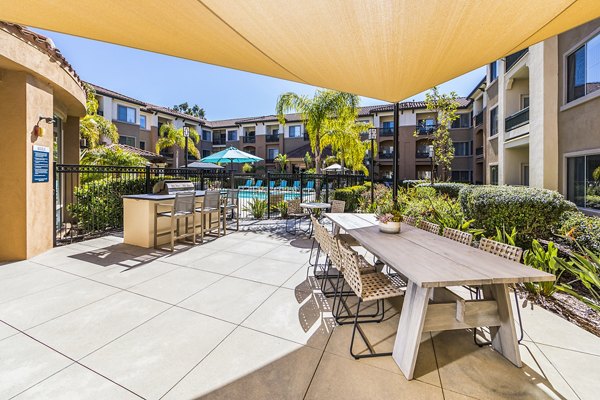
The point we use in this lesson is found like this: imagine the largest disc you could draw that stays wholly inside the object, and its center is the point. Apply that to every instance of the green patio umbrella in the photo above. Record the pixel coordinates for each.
(231, 155)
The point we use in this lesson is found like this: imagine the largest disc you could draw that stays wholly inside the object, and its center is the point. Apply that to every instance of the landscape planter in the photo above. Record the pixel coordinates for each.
(389, 227)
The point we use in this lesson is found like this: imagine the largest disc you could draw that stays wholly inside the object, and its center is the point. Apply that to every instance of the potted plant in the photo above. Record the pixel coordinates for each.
(389, 217)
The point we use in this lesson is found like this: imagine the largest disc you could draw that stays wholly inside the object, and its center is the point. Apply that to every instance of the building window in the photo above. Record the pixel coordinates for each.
(275, 131)
(463, 121)
(126, 114)
(493, 70)
(295, 131)
(206, 136)
(462, 149)
(272, 153)
(524, 101)
(461, 176)
(583, 181)
(143, 122)
(142, 145)
(494, 121)
(583, 69)
(127, 140)
(232, 136)
(493, 174)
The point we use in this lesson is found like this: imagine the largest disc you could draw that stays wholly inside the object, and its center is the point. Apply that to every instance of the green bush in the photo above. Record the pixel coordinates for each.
(351, 195)
(450, 188)
(584, 229)
(409, 183)
(256, 207)
(531, 211)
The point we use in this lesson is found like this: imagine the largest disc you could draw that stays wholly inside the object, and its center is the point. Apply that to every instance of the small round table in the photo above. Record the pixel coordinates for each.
(312, 208)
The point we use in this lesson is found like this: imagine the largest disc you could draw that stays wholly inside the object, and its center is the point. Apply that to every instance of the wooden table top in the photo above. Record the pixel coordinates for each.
(315, 205)
(431, 260)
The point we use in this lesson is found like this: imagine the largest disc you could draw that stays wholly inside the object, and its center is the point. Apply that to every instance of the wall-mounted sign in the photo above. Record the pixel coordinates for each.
(41, 164)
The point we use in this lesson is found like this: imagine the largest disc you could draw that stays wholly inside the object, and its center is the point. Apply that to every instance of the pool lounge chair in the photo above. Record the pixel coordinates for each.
(296, 185)
(247, 185)
(271, 184)
(310, 185)
(258, 184)
(283, 184)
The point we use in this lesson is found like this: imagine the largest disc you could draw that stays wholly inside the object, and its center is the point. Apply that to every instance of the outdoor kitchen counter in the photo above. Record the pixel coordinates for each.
(138, 218)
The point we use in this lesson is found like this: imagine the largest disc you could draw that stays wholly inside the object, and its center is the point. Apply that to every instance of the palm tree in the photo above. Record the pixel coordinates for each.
(282, 160)
(324, 106)
(171, 137)
(93, 127)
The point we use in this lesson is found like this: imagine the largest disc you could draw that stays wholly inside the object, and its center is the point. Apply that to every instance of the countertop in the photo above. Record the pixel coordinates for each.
(157, 197)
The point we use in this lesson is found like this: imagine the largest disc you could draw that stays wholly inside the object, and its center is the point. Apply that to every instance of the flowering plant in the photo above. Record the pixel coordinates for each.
(389, 213)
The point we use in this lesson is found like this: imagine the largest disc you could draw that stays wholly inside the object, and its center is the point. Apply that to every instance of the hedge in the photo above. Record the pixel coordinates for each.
(585, 230)
(449, 188)
(351, 195)
(409, 183)
(532, 211)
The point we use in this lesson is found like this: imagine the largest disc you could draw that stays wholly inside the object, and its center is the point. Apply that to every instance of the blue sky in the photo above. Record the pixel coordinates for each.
(166, 81)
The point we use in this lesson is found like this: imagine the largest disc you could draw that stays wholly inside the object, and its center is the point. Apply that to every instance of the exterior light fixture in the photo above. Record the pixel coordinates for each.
(38, 130)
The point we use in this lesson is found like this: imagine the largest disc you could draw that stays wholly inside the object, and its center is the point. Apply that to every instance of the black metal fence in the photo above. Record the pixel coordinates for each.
(88, 199)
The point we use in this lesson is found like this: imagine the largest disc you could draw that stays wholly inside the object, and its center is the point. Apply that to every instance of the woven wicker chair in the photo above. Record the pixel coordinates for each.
(509, 252)
(319, 243)
(296, 214)
(458, 236)
(409, 220)
(368, 287)
(429, 227)
(337, 206)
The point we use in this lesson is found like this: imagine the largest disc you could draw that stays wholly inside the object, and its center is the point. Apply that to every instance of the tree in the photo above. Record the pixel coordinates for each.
(445, 105)
(324, 106)
(104, 155)
(194, 111)
(343, 135)
(171, 137)
(282, 160)
(93, 127)
(308, 160)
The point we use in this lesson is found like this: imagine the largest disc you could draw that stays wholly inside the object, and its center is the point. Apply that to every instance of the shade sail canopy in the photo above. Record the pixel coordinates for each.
(335, 167)
(385, 49)
(203, 165)
(231, 155)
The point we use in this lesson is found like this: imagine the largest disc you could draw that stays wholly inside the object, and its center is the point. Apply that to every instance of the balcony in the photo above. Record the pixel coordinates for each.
(479, 151)
(218, 141)
(426, 129)
(385, 131)
(422, 154)
(479, 119)
(249, 139)
(272, 138)
(386, 156)
(517, 119)
(514, 57)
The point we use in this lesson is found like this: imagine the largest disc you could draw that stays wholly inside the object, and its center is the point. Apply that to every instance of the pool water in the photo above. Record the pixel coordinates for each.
(253, 194)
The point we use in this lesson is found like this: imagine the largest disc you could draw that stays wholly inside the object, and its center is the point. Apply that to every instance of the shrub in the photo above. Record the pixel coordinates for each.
(531, 211)
(450, 188)
(547, 261)
(351, 195)
(585, 230)
(256, 207)
(409, 183)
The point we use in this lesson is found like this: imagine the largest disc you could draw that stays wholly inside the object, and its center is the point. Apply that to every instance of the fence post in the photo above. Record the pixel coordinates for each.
(301, 185)
(147, 179)
(326, 189)
(268, 194)
(54, 219)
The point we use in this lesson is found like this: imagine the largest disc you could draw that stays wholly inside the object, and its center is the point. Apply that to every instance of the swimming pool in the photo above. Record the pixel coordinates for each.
(255, 194)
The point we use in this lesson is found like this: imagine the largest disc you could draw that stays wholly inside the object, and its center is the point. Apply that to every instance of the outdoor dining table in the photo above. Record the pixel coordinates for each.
(313, 208)
(430, 263)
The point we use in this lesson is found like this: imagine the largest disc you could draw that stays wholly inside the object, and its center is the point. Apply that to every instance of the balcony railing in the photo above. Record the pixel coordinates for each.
(218, 141)
(385, 132)
(272, 138)
(422, 154)
(479, 119)
(426, 129)
(386, 156)
(249, 139)
(479, 151)
(517, 119)
(514, 57)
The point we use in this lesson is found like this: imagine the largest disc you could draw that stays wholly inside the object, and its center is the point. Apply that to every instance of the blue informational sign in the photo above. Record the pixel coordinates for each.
(41, 164)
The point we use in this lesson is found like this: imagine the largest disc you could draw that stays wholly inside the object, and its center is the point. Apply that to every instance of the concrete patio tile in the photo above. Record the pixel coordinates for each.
(6, 331)
(221, 262)
(580, 370)
(266, 237)
(545, 327)
(483, 373)
(230, 299)
(16, 286)
(19, 268)
(26, 312)
(127, 277)
(308, 322)
(189, 255)
(153, 357)
(221, 243)
(289, 254)
(25, 362)
(269, 271)
(303, 280)
(252, 248)
(76, 382)
(104, 241)
(340, 378)
(176, 285)
(82, 268)
(85, 330)
(250, 365)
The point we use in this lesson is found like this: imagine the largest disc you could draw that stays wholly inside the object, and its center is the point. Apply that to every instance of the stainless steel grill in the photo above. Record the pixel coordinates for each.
(173, 186)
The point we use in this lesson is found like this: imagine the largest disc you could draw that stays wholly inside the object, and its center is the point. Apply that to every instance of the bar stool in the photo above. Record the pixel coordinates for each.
(210, 207)
(296, 214)
(232, 204)
(182, 208)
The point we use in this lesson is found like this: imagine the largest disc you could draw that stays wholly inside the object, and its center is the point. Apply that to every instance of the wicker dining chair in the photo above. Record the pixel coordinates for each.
(182, 208)
(429, 227)
(374, 286)
(319, 244)
(296, 214)
(337, 206)
(458, 236)
(512, 253)
(409, 220)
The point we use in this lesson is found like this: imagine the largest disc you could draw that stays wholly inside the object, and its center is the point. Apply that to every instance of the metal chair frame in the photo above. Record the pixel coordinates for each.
(182, 208)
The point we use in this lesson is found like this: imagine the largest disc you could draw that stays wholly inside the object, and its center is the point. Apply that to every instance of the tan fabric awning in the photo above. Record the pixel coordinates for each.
(385, 49)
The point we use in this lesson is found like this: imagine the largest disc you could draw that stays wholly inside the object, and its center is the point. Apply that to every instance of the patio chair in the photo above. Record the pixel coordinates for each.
(310, 185)
(271, 184)
(296, 214)
(247, 185)
(258, 184)
(231, 204)
(374, 286)
(283, 184)
(337, 206)
(409, 220)
(429, 227)
(210, 209)
(509, 252)
(182, 208)
(296, 185)
(458, 236)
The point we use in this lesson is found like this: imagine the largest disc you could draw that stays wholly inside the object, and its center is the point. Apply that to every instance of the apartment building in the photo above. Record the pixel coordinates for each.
(541, 114)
